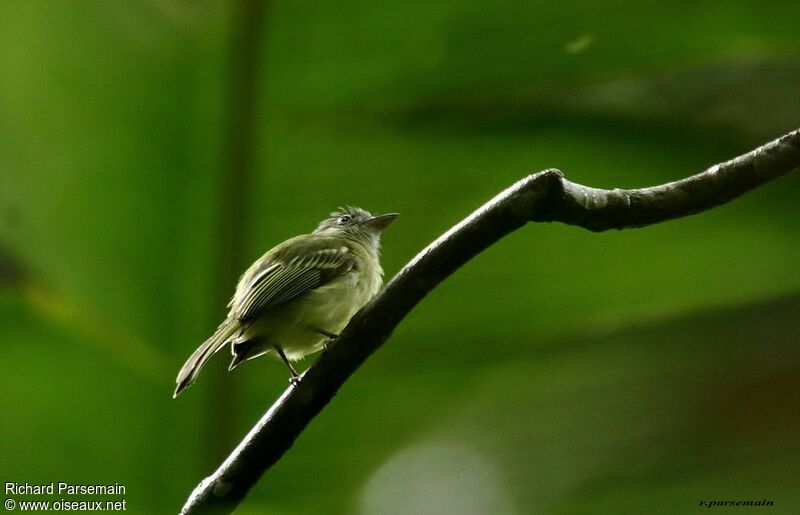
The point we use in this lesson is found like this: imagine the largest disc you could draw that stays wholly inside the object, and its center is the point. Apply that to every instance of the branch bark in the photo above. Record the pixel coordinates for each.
(543, 197)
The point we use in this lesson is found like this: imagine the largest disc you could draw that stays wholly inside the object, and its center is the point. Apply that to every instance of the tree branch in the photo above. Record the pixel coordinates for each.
(543, 197)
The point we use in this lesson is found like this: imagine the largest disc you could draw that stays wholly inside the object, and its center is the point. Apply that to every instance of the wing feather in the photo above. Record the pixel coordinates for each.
(280, 277)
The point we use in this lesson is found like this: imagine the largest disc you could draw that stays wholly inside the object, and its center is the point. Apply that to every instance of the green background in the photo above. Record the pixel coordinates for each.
(560, 372)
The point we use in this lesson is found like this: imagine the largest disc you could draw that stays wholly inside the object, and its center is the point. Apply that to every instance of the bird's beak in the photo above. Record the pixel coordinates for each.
(380, 222)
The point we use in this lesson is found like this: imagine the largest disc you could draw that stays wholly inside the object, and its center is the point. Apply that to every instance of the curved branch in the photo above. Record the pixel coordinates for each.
(543, 197)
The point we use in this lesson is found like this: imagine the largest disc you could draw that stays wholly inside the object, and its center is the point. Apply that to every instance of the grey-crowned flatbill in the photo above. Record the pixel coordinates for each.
(300, 294)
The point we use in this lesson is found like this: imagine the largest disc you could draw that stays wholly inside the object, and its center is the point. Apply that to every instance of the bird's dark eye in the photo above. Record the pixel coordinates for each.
(343, 219)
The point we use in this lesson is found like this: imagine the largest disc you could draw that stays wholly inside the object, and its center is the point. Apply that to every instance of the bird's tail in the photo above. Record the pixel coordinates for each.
(199, 357)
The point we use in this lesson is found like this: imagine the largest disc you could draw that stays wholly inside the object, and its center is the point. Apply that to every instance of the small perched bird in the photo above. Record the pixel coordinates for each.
(300, 294)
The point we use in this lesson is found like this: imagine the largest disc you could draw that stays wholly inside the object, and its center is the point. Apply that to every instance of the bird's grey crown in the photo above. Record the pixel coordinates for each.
(358, 214)
(344, 217)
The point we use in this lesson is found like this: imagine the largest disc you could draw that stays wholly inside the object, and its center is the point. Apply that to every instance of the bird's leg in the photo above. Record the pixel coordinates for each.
(295, 376)
(330, 335)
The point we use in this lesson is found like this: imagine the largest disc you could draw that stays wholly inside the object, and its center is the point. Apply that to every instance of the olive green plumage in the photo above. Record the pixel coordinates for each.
(300, 293)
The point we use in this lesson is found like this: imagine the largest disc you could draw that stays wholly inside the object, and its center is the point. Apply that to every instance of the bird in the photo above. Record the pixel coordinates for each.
(299, 295)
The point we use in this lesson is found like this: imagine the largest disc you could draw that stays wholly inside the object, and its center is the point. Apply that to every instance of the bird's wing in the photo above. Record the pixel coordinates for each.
(284, 274)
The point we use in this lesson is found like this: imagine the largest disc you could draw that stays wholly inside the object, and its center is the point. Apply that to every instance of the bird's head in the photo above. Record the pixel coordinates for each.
(355, 223)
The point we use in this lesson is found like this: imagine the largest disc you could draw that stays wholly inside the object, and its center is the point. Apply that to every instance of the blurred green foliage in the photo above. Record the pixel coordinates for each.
(559, 372)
